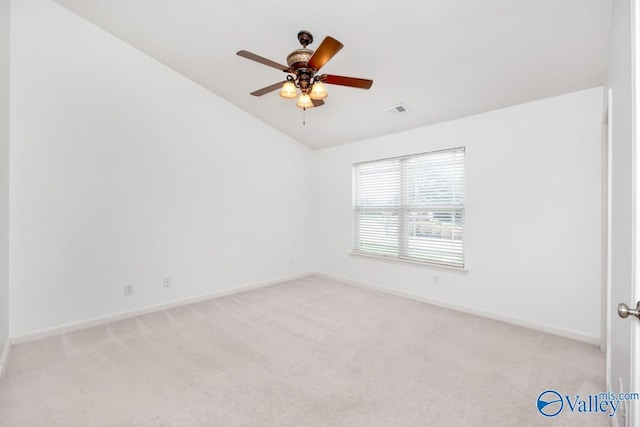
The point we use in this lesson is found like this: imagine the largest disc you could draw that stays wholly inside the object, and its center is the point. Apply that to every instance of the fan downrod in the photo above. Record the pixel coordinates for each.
(305, 38)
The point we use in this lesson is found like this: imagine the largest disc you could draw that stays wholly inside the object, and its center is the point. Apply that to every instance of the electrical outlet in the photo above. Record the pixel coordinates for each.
(436, 280)
(128, 290)
(166, 282)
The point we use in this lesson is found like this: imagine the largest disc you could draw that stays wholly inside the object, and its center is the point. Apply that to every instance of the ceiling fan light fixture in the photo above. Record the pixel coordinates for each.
(318, 91)
(302, 72)
(288, 90)
(304, 101)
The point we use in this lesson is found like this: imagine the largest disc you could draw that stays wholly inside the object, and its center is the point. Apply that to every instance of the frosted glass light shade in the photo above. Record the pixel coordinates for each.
(318, 91)
(304, 101)
(288, 90)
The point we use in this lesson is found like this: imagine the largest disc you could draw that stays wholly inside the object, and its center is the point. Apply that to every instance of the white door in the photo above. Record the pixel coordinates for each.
(623, 338)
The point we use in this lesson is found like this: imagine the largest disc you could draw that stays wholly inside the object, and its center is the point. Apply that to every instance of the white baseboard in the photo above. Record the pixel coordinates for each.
(70, 327)
(4, 356)
(487, 314)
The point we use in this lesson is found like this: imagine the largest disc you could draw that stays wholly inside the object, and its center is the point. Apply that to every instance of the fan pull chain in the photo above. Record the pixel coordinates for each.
(304, 122)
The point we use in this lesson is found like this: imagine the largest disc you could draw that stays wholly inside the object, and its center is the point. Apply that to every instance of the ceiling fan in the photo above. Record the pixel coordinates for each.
(302, 69)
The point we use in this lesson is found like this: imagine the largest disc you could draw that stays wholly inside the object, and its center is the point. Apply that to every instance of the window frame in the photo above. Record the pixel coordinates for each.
(403, 211)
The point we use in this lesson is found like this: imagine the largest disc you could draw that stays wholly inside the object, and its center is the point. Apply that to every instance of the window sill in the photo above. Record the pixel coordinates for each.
(408, 261)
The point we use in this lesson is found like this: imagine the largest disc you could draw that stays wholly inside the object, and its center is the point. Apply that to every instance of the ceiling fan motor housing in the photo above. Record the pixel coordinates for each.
(298, 58)
(297, 62)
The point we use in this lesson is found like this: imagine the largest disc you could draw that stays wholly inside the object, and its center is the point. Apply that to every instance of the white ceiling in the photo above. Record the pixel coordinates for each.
(443, 59)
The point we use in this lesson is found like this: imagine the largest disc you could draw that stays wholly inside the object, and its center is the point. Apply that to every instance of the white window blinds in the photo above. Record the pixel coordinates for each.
(411, 207)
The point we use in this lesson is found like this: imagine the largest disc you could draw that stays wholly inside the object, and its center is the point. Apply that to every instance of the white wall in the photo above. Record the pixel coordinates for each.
(4, 174)
(533, 193)
(125, 172)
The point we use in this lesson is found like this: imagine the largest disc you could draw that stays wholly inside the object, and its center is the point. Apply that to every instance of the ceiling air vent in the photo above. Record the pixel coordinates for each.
(396, 110)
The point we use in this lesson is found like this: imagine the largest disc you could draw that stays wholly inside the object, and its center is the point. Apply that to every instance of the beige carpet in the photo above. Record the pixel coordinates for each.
(310, 352)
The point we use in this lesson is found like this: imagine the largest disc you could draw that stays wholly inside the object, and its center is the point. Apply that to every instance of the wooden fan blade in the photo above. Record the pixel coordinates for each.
(267, 89)
(317, 102)
(346, 81)
(260, 59)
(327, 49)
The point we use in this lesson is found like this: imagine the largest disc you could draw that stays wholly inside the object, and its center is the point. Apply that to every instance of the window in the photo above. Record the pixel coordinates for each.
(411, 208)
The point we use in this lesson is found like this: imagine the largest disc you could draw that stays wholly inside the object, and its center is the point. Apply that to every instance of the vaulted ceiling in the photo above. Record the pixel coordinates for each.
(443, 59)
